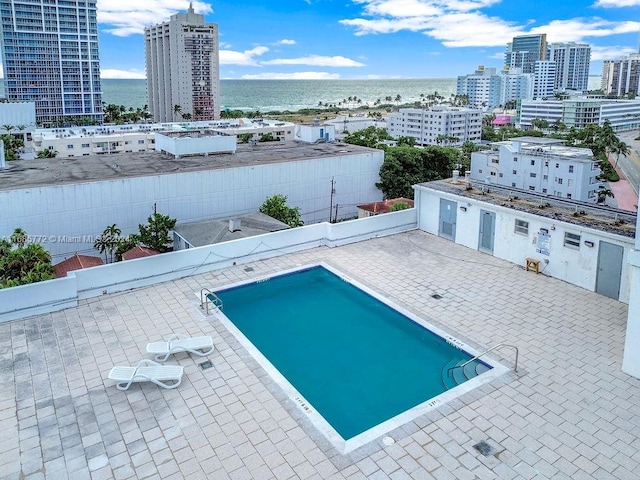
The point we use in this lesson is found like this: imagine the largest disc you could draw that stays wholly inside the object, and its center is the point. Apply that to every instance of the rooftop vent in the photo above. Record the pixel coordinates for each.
(234, 225)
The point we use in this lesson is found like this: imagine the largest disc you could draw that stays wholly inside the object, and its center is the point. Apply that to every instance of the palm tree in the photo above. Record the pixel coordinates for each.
(18, 237)
(8, 127)
(398, 99)
(177, 109)
(619, 148)
(603, 193)
(107, 242)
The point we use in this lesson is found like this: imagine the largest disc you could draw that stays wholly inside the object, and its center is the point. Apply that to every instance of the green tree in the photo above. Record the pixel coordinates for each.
(603, 193)
(12, 146)
(22, 263)
(267, 137)
(155, 234)
(107, 242)
(125, 244)
(276, 207)
(406, 141)
(540, 123)
(245, 137)
(371, 137)
(405, 166)
(396, 207)
(47, 153)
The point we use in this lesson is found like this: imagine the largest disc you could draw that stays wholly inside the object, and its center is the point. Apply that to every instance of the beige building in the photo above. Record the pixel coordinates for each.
(183, 72)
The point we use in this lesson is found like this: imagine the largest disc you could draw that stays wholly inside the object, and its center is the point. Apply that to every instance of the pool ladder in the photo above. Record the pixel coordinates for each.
(515, 368)
(206, 297)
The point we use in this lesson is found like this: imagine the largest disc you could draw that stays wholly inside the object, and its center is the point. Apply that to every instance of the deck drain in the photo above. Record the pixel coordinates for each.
(205, 365)
(484, 448)
(436, 296)
(248, 269)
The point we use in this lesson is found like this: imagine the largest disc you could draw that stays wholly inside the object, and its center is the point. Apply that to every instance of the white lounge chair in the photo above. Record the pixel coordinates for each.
(201, 346)
(147, 371)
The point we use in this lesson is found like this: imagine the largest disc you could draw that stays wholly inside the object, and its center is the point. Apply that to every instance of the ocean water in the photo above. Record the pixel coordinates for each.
(266, 95)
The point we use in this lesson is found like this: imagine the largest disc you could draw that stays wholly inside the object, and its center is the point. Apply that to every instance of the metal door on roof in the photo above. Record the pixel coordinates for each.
(487, 231)
(447, 219)
(609, 269)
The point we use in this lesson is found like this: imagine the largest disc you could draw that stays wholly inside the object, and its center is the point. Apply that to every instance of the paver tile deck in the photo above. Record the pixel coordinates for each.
(568, 412)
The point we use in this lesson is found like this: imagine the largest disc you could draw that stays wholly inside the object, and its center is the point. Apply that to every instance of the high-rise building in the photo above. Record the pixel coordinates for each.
(50, 57)
(622, 76)
(487, 89)
(572, 65)
(544, 76)
(183, 75)
(525, 50)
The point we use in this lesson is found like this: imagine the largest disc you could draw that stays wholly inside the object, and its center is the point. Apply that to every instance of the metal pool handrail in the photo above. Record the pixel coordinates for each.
(204, 300)
(515, 368)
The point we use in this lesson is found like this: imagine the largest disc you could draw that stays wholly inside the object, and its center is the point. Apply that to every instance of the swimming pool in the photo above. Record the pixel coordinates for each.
(353, 362)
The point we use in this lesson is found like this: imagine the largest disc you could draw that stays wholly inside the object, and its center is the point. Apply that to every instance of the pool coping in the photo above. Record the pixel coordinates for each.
(305, 407)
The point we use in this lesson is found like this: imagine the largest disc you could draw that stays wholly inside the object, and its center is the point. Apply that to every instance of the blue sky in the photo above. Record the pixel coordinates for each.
(349, 39)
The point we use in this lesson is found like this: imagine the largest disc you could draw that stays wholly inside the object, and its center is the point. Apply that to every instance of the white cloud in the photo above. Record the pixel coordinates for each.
(293, 76)
(316, 61)
(232, 57)
(115, 73)
(610, 52)
(617, 3)
(286, 41)
(460, 23)
(128, 18)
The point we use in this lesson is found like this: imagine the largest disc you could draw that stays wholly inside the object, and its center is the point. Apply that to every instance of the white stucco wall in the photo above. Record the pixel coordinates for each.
(66, 218)
(576, 266)
(180, 146)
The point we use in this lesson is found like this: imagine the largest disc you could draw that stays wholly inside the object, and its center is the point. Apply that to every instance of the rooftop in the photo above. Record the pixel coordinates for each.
(76, 262)
(599, 217)
(45, 172)
(569, 412)
(208, 232)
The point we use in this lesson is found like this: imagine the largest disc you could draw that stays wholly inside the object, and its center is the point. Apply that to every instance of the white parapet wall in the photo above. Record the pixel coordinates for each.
(55, 295)
(194, 143)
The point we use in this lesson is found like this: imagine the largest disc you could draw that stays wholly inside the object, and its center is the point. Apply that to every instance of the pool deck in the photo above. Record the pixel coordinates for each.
(568, 413)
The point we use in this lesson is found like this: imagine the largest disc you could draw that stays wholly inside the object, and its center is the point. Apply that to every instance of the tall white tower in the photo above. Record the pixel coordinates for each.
(183, 73)
(50, 57)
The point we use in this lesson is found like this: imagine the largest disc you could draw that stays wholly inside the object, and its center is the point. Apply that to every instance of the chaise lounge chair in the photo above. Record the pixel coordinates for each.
(201, 346)
(147, 371)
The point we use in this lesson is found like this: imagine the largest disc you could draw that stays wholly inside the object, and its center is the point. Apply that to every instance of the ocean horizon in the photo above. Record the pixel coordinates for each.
(279, 95)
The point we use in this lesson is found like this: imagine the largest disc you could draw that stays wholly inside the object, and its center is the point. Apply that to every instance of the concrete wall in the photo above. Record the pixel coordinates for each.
(54, 295)
(197, 145)
(67, 218)
(576, 266)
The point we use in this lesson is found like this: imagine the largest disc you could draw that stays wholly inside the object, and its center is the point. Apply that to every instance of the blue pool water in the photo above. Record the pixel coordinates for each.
(356, 360)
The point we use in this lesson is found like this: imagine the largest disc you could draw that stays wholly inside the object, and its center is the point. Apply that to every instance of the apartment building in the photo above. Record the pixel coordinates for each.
(440, 125)
(92, 140)
(540, 165)
(622, 76)
(183, 73)
(50, 57)
(572, 65)
(525, 50)
(581, 111)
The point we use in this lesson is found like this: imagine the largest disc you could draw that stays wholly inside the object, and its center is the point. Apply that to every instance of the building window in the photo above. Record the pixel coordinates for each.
(515, 159)
(570, 168)
(557, 165)
(515, 172)
(521, 227)
(500, 175)
(140, 142)
(559, 180)
(532, 188)
(513, 184)
(571, 240)
(532, 175)
(545, 177)
(85, 145)
(70, 147)
(479, 170)
(493, 174)
(544, 190)
(533, 162)
(568, 195)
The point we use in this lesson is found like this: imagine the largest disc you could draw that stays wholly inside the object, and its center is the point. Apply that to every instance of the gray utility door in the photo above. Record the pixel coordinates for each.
(609, 269)
(487, 231)
(447, 225)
